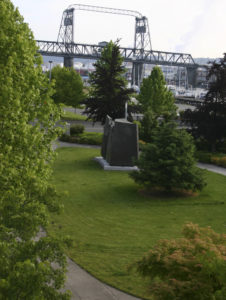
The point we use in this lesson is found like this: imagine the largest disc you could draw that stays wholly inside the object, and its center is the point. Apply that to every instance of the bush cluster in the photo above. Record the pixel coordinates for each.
(76, 129)
(192, 267)
(89, 138)
(218, 159)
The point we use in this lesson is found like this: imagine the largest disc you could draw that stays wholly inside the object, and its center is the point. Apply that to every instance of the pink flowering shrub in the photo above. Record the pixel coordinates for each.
(188, 268)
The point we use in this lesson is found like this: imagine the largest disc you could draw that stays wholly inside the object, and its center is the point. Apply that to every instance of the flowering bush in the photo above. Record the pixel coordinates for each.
(192, 267)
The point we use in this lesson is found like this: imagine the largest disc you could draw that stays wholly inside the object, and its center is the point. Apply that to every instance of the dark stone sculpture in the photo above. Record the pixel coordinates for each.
(120, 142)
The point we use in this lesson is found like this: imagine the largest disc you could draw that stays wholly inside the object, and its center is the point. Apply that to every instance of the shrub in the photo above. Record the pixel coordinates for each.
(90, 138)
(193, 267)
(76, 129)
(68, 138)
(87, 138)
(204, 157)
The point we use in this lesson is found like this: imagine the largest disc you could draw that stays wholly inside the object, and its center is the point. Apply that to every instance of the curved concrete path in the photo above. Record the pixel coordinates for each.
(212, 168)
(86, 287)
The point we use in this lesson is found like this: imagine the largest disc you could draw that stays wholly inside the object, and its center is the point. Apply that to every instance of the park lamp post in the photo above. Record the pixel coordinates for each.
(126, 110)
(50, 69)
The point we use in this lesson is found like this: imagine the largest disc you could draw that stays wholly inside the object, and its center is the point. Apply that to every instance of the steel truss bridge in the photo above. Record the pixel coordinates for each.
(139, 55)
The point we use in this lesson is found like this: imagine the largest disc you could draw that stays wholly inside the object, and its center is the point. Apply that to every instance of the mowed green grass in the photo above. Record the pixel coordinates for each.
(113, 225)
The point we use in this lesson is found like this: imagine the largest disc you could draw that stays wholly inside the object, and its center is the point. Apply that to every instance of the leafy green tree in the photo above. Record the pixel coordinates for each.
(27, 122)
(68, 86)
(156, 102)
(208, 121)
(192, 267)
(109, 92)
(168, 162)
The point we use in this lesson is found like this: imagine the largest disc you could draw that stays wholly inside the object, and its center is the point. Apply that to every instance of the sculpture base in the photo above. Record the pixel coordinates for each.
(105, 165)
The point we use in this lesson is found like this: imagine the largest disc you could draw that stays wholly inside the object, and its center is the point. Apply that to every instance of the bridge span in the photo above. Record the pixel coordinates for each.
(139, 55)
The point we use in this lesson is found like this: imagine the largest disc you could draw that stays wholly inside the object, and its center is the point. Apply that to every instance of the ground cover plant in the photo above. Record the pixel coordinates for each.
(113, 225)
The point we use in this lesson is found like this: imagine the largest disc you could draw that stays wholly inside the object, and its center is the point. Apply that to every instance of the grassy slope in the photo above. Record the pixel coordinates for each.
(113, 225)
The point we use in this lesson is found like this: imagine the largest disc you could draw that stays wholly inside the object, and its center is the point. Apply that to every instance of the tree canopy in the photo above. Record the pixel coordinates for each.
(155, 96)
(27, 122)
(68, 86)
(156, 101)
(208, 120)
(108, 92)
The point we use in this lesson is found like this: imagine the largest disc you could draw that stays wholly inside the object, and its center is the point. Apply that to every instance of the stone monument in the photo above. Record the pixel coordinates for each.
(120, 144)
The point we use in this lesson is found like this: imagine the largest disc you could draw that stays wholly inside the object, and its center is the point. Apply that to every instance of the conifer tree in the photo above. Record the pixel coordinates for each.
(109, 92)
(168, 162)
(27, 122)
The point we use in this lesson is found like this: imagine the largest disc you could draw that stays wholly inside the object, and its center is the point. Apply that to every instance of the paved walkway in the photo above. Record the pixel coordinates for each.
(213, 168)
(84, 286)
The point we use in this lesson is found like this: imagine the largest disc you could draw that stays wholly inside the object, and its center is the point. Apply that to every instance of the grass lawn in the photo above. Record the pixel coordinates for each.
(71, 116)
(113, 225)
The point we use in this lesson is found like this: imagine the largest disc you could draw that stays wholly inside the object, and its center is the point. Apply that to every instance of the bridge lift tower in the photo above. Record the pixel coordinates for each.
(142, 39)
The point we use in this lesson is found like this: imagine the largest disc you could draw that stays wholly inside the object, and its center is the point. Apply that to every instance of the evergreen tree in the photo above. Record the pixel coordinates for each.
(168, 161)
(109, 92)
(156, 102)
(27, 122)
(68, 86)
(208, 120)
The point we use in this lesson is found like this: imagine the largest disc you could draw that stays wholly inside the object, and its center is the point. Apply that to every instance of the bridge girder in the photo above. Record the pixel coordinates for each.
(88, 51)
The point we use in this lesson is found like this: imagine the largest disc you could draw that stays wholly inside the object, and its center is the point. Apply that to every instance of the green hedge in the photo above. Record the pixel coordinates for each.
(89, 138)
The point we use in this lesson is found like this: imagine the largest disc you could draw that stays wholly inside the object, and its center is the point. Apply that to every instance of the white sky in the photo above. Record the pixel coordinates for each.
(197, 27)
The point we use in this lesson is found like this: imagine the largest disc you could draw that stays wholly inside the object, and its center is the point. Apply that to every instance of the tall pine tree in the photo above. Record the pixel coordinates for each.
(109, 92)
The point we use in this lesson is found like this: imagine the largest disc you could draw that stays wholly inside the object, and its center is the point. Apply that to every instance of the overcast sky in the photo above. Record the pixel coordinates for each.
(197, 27)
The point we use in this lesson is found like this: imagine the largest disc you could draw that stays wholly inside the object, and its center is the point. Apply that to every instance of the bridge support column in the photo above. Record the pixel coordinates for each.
(68, 62)
(192, 76)
(137, 72)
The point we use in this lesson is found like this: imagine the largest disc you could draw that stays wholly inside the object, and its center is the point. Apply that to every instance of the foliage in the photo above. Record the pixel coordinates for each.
(209, 119)
(102, 208)
(219, 161)
(27, 121)
(156, 101)
(70, 116)
(168, 162)
(193, 267)
(68, 86)
(108, 93)
(203, 156)
(87, 138)
(76, 129)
